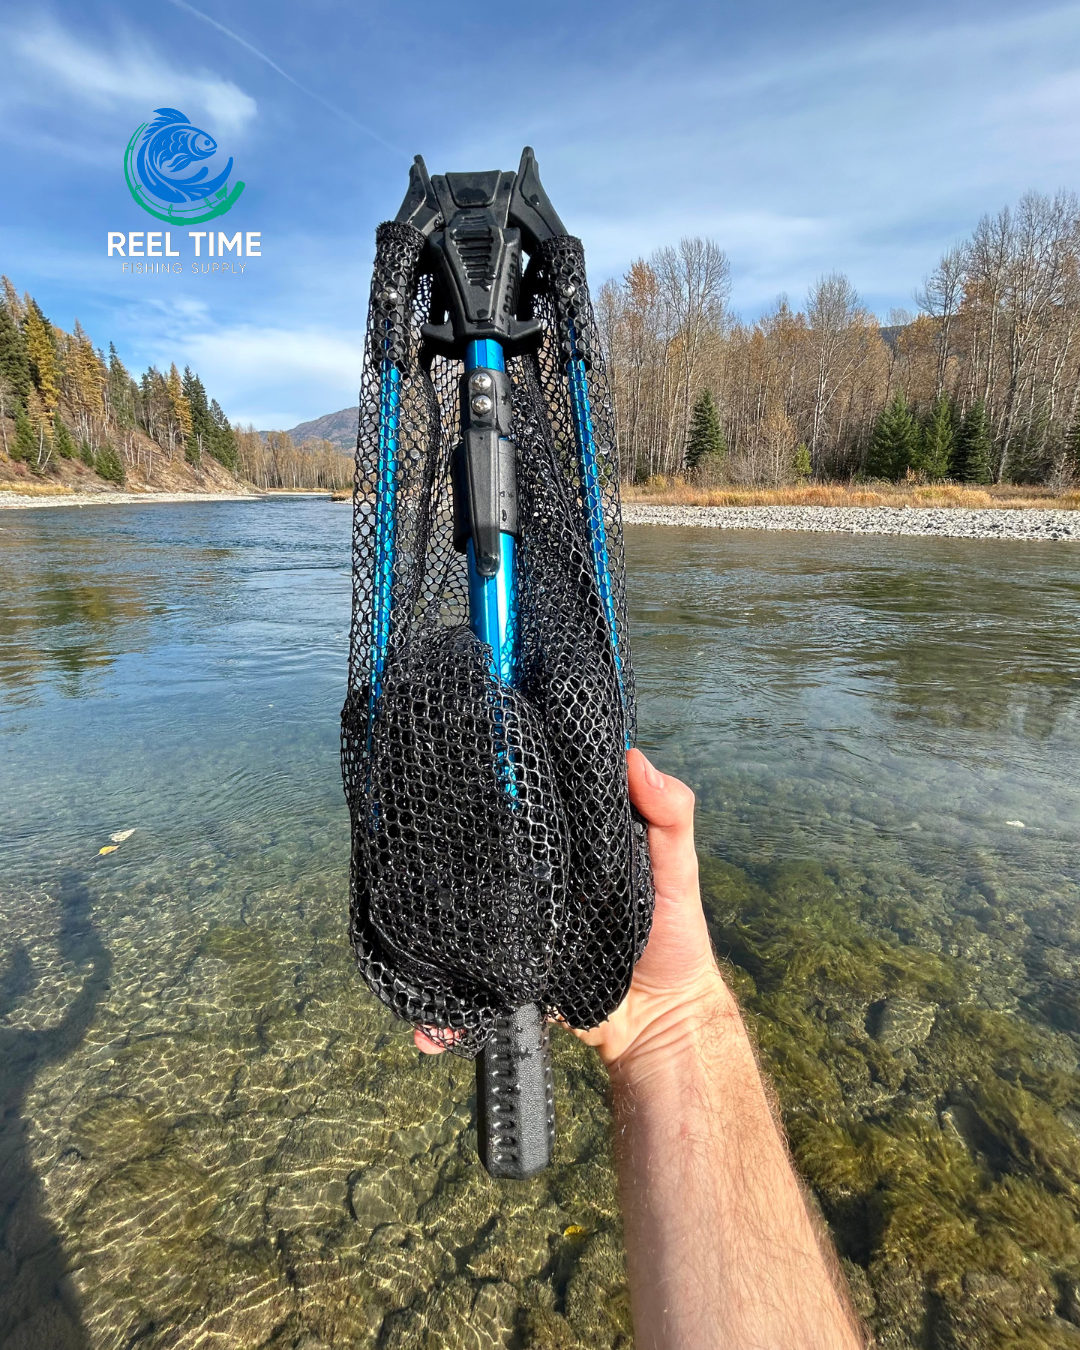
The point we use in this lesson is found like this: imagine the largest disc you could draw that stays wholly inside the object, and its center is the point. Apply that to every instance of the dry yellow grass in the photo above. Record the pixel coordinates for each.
(677, 492)
(25, 489)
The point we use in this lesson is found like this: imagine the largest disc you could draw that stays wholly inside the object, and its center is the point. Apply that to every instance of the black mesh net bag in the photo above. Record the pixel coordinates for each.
(497, 865)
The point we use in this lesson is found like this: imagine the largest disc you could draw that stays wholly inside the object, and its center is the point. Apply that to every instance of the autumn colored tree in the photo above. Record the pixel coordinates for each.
(180, 410)
(1070, 461)
(41, 353)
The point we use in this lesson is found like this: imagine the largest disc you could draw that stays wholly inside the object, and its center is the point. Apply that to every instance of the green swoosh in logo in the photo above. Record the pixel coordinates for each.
(196, 214)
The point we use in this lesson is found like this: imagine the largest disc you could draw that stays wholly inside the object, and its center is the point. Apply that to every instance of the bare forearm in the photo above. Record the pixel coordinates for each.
(721, 1250)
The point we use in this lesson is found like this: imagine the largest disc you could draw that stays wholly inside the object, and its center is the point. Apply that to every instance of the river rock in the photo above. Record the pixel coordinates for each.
(899, 1023)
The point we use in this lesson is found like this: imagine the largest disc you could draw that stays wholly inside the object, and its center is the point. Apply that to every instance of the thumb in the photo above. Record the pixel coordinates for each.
(668, 807)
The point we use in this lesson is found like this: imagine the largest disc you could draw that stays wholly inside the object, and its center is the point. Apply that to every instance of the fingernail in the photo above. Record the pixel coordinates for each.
(653, 777)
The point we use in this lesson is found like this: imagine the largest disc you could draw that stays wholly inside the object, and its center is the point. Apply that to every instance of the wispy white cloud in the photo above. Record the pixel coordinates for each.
(262, 56)
(273, 377)
(868, 150)
(49, 62)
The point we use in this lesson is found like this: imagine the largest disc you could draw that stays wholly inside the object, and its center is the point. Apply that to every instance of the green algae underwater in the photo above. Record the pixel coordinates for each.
(213, 1135)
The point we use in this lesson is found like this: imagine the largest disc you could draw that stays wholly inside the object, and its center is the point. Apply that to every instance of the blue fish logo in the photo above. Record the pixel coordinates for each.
(165, 174)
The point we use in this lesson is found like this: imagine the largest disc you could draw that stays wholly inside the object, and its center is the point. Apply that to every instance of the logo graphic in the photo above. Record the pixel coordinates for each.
(157, 166)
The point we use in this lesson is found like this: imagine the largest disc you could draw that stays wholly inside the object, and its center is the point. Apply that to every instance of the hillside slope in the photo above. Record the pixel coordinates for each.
(147, 468)
(338, 428)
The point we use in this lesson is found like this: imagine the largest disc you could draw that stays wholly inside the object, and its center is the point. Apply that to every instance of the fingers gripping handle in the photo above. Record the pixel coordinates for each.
(515, 1097)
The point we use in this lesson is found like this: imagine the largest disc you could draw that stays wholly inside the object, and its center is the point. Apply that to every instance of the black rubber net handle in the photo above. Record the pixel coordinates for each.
(515, 1097)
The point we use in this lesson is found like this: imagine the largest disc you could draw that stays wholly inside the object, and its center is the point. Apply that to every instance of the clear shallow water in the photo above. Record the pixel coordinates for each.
(212, 1132)
(899, 701)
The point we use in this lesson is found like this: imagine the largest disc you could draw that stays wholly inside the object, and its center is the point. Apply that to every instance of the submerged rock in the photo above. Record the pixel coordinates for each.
(898, 1022)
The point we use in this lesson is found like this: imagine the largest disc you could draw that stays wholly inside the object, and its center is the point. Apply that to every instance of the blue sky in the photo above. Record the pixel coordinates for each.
(803, 137)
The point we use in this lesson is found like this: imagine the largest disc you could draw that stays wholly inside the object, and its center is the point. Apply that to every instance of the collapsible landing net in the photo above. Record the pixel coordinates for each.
(497, 866)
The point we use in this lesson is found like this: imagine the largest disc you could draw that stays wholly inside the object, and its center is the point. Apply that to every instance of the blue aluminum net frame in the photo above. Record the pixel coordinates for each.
(466, 901)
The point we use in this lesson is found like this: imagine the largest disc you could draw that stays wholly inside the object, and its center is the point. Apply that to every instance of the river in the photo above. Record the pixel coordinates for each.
(213, 1134)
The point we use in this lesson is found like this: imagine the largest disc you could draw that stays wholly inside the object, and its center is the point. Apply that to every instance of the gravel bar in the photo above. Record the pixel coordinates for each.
(948, 523)
(18, 500)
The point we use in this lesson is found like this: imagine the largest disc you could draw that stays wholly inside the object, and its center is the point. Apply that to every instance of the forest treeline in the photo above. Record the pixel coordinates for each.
(67, 399)
(275, 461)
(62, 398)
(981, 385)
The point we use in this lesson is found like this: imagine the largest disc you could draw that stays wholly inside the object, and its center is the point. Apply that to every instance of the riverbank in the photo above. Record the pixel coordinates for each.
(18, 500)
(943, 522)
(1000, 496)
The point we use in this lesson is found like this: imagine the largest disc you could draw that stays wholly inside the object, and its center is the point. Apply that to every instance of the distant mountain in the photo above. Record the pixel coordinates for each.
(338, 428)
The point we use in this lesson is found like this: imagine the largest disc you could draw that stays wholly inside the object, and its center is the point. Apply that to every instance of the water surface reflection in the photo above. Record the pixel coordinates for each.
(214, 1130)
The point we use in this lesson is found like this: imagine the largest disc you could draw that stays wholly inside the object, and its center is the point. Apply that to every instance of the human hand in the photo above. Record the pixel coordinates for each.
(677, 994)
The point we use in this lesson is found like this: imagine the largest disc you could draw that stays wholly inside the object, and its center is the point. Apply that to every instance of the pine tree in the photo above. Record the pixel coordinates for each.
(202, 425)
(25, 444)
(936, 440)
(972, 447)
(705, 444)
(224, 445)
(109, 464)
(14, 363)
(86, 453)
(62, 442)
(894, 444)
(121, 391)
(1030, 456)
(41, 350)
(801, 463)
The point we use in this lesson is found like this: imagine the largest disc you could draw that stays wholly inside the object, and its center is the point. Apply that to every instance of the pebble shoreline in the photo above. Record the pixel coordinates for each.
(20, 500)
(948, 523)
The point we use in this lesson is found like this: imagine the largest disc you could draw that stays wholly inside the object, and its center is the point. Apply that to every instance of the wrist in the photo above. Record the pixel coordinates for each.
(702, 1025)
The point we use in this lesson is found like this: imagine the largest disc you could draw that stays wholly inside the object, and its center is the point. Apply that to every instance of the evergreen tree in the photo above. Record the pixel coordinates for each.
(705, 444)
(1030, 455)
(109, 465)
(25, 445)
(801, 463)
(201, 436)
(121, 390)
(972, 447)
(224, 445)
(936, 440)
(895, 442)
(14, 363)
(62, 442)
(86, 453)
(41, 350)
